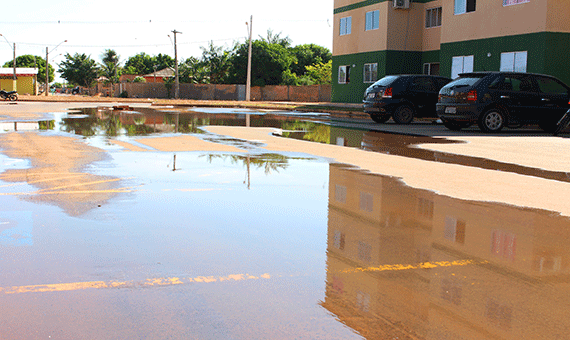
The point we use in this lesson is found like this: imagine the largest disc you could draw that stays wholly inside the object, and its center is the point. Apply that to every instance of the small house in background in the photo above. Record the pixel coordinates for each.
(157, 77)
(26, 80)
(154, 77)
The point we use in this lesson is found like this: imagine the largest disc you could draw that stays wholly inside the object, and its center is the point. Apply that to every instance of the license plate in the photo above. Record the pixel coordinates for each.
(450, 109)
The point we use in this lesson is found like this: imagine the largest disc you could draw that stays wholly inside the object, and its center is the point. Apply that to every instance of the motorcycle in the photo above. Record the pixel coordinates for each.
(8, 95)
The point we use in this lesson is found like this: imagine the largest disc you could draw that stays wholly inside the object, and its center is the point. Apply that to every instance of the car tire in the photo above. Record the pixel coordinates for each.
(404, 114)
(492, 120)
(379, 118)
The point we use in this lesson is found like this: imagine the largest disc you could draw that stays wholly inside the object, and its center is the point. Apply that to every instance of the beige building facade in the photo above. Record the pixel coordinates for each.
(374, 38)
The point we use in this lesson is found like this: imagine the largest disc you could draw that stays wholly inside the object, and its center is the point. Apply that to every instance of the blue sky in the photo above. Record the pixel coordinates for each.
(129, 27)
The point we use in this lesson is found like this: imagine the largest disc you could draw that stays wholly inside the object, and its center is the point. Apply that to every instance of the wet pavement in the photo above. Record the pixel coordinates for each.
(106, 232)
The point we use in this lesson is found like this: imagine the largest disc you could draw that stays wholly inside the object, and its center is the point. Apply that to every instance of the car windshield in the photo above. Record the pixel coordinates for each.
(385, 81)
(464, 81)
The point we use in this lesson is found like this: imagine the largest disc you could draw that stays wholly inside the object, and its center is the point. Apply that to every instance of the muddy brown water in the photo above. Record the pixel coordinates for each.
(257, 245)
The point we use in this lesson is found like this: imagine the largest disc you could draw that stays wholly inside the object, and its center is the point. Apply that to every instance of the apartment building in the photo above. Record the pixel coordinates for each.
(373, 38)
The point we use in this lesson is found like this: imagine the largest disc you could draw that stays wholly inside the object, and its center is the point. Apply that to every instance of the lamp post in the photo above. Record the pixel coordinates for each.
(248, 79)
(47, 67)
(14, 82)
(176, 82)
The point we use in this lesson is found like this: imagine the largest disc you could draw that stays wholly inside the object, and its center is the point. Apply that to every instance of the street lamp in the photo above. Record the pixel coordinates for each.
(47, 66)
(248, 81)
(14, 84)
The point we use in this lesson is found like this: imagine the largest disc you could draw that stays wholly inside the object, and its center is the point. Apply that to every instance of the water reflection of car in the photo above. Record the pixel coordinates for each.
(494, 100)
(403, 97)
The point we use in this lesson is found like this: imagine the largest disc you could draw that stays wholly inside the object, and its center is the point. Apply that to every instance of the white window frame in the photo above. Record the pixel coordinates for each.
(514, 2)
(429, 68)
(460, 7)
(344, 74)
(461, 64)
(370, 72)
(514, 61)
(372, 20)
(429, 17)
(345, 26)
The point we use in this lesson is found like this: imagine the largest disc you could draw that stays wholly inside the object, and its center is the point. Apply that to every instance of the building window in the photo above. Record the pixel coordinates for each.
(344, 74)
(454, 230)
(345, 25)
(431, 69)
(370, 73)
(364, 251)
(461, 64)
(513, 61)
(504, 245)
(372, 20)
(339, 240)
(433, 17)
(514, 2)
(464, 6)
(366, 201)
(340, 193)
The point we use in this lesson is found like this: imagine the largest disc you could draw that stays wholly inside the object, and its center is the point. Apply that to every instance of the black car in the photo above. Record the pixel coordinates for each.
(403, 97)
(494, 100)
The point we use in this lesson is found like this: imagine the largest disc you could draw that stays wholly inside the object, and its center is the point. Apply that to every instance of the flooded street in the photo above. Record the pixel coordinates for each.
(164, 223)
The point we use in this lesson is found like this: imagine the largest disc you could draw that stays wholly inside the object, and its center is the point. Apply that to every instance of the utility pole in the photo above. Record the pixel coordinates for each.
(248, 81)
(47, 67)
(176, 82)
(15, 80)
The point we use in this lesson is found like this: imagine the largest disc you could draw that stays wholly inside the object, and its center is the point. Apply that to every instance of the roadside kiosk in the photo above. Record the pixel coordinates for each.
(26, 80)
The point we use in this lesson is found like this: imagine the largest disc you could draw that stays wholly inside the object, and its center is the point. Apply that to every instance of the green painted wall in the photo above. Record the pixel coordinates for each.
(547, 53)
(389, 62)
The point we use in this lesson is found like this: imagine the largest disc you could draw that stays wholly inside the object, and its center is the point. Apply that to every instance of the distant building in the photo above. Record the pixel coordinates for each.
(373, 38)
(26, 80)
(155, 77)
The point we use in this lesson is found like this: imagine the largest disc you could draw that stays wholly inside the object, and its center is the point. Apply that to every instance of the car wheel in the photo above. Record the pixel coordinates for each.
(403, 114)
(492, 121)
(379, 118)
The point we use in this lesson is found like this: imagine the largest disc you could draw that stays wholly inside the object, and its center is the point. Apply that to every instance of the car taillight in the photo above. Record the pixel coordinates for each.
(472, 96)
(387, 93)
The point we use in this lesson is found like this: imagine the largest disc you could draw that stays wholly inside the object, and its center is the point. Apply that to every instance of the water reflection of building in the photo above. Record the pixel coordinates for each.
(514, 286)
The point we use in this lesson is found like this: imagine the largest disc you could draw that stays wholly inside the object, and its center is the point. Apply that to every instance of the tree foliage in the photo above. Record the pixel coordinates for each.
(79, 69)
(33, 61)
(307, 55)
(268, 64)
(110, 67)
(143, 63)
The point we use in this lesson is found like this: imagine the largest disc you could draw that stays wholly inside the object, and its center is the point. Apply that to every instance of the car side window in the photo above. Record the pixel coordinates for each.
(504, 84)
(422, 84)
(551, 86)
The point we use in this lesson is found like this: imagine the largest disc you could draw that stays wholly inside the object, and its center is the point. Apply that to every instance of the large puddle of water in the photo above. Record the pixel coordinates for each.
(202, 245)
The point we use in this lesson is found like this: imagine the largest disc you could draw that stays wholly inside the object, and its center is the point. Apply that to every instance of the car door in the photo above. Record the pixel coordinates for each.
(520, 95)
(554, 98)
(424, 95)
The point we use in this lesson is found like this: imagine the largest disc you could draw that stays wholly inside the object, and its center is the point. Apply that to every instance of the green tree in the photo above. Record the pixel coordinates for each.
(217, 60)
(79, 69)
(307, 55)
(269, 62)
(143, 63)
(273, 38)
(33, 61)
(110, 68)
(320, 73)
(193, 71)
